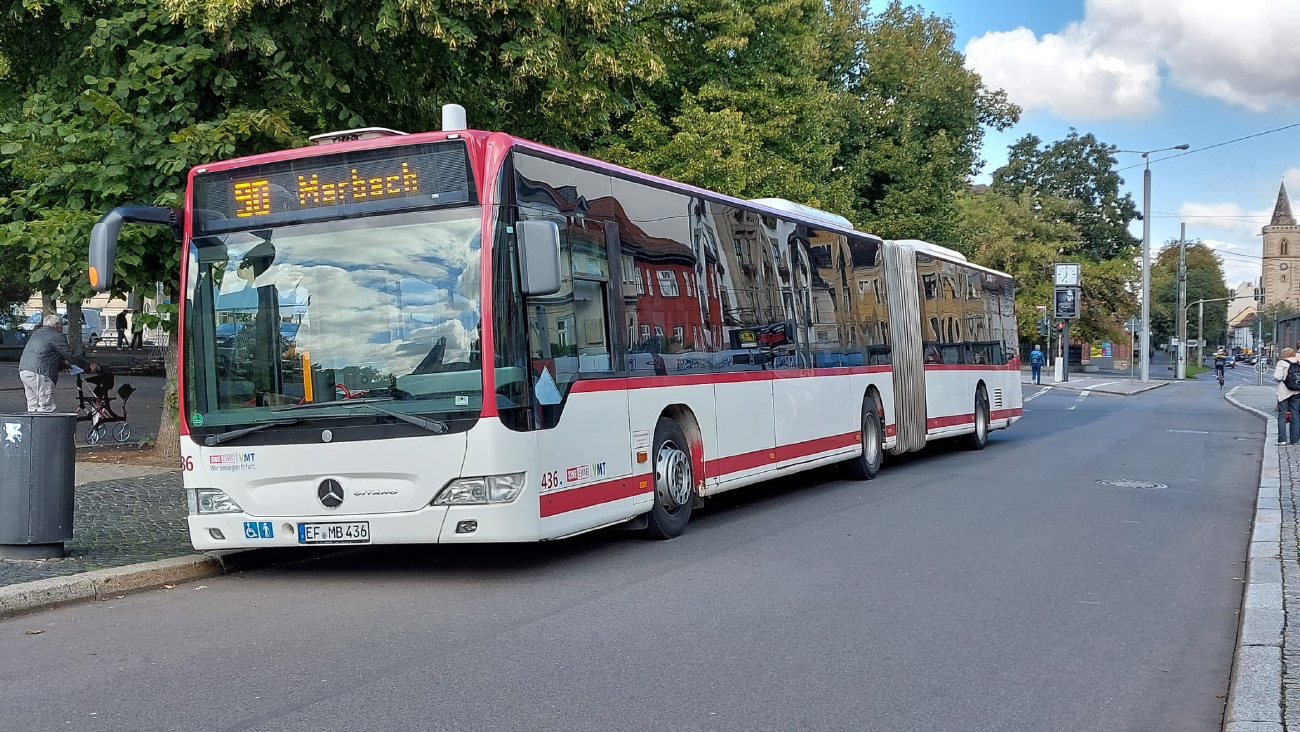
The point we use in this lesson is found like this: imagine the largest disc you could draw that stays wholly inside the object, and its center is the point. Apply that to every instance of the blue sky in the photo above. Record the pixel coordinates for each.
(1144, 74)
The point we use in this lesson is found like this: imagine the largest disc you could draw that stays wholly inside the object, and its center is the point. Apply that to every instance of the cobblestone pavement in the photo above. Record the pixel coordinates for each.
(1263, 398)
(116, 522)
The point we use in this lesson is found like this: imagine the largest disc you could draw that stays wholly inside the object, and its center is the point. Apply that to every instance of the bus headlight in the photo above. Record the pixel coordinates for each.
(211, 500)
(477, 491)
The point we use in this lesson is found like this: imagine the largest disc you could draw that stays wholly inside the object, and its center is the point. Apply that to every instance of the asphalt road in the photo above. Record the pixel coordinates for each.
(1000, 590)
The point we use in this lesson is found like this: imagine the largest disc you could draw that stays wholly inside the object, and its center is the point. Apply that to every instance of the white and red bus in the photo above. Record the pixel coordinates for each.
(462, 336)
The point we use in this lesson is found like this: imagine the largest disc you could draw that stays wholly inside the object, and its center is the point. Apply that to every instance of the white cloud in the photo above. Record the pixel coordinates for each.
(1065, 73)
(1108, 64)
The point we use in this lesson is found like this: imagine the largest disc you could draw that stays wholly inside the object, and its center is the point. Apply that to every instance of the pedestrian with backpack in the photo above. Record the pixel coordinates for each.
(1287, 374)
(1036, 360)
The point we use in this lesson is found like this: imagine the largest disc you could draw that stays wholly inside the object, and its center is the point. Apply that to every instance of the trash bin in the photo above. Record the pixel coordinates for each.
(37, 457)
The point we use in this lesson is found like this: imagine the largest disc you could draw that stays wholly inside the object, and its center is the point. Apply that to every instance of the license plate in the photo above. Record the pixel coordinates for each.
(356, 532)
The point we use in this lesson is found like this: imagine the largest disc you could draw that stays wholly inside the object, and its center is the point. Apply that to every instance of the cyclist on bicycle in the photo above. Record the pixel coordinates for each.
(1220, 363)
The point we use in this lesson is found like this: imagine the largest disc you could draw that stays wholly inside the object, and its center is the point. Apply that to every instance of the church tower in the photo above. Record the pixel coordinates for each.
(1282, 255)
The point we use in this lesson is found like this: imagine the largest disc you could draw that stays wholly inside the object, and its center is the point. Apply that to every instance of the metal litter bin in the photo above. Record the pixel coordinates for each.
(37, 456)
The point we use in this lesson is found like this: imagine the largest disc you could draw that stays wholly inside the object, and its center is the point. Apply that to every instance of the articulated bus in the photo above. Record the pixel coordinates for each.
(462, 336)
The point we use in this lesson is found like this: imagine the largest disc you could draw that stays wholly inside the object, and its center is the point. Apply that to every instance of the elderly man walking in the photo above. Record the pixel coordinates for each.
(46, 354)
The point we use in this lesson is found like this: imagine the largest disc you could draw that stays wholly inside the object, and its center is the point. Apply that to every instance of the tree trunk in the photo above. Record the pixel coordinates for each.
(169, 437)
(47, 304)
(73, 328)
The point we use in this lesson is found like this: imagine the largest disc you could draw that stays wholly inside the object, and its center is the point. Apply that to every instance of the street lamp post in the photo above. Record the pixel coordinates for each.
(1146, 251)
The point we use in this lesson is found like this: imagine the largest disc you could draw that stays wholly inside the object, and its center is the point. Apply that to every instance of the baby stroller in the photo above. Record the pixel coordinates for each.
(97, 408)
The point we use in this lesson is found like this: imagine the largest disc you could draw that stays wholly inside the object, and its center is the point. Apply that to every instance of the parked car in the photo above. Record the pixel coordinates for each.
(92, 324)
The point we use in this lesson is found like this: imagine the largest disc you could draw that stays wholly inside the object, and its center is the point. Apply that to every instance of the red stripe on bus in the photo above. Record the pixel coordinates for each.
(959, 419)
(613, 490)
(1011, 366)
(935, 423)
(654, 382)
(594, 494)
(780, 453)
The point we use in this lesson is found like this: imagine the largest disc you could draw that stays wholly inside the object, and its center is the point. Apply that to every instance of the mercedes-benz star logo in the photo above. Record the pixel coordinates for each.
(330, 493)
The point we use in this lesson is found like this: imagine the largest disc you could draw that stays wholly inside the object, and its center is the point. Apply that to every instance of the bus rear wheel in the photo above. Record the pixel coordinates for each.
(867, 465)
(980, 437)
(674, 482)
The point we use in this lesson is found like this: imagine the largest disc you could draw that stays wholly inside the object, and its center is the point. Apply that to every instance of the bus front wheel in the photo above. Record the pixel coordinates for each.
(674, 482)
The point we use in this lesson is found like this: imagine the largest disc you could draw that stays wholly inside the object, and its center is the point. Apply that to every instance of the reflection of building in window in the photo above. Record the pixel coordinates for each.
(668, 283)
(645, 331)
(931, 287)
(659, 331)
(686, 280)
(679, 333)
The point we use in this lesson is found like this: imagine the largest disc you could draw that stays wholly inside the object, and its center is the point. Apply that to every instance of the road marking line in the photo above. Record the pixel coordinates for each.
(1104, 383)
(1082, 396)
(1188, 432)
(1037, 394)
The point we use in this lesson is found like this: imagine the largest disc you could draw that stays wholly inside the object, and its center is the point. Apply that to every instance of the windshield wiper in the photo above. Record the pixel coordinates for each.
(211, 440)
(435, 426)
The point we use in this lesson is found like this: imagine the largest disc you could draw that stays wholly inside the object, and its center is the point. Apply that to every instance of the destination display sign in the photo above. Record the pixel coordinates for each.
(333, 186)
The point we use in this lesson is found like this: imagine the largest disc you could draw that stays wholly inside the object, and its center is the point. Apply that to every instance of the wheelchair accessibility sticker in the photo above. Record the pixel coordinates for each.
(258, 530)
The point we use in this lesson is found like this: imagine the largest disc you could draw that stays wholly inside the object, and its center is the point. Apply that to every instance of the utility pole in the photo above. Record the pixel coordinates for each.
(1146, 270)
(1181, 372)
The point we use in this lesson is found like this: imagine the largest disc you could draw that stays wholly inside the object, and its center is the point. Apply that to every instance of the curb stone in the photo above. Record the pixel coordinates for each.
(1255, 690)
(102, 584)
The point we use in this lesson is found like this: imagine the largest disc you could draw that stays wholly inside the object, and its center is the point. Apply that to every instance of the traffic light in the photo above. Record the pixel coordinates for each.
(1060, 327)
(1042, 326)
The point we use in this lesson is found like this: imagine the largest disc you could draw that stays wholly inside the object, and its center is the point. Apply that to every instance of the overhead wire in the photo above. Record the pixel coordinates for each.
(1209, 147)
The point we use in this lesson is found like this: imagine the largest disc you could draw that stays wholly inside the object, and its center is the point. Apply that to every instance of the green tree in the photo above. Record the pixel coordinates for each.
(915, 118)
(1204, 281)
(116, 101)
(1272, 313)
(1081, 171)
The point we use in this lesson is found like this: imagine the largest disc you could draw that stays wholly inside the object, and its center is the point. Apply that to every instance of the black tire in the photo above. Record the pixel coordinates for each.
(674, 489)
(980, 437)
(867, 464)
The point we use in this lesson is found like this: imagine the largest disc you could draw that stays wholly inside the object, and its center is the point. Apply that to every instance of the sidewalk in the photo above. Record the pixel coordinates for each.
(123, 514)
(1264, 694)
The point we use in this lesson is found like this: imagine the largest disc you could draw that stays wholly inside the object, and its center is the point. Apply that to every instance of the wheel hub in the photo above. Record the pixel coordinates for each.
(871, 439)
(672, 476)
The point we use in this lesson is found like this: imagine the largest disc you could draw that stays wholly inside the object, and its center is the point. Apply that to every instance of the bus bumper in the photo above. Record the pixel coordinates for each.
(429, 525)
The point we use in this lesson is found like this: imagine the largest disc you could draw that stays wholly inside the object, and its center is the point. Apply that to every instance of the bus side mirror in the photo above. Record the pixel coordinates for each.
(103, 238)
(539, 256)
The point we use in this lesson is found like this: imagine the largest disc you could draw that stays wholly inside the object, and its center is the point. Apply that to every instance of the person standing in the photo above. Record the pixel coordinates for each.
(137, 330)
(46, 353)
(121, 328)
(1036, 360)
(1288, 398)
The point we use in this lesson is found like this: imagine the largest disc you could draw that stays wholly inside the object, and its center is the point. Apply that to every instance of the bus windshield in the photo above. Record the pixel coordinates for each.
(375, 308)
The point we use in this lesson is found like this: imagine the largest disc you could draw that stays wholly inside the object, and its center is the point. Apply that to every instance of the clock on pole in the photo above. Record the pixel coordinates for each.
(1067, 274)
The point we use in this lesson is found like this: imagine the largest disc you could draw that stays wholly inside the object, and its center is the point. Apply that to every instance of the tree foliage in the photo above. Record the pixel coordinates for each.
(1204, 281)
(1080, 171)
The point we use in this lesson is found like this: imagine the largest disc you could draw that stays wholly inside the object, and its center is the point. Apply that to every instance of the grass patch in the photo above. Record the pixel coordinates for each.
(1193, 369)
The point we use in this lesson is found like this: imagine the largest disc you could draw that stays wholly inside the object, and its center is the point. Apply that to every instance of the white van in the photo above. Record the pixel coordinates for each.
(92, 324)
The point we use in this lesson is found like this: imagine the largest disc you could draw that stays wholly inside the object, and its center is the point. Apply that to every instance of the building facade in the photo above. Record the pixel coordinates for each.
(1281, 266)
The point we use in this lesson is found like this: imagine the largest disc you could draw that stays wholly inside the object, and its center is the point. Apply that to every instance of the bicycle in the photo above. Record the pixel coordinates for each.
(1218, 375)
